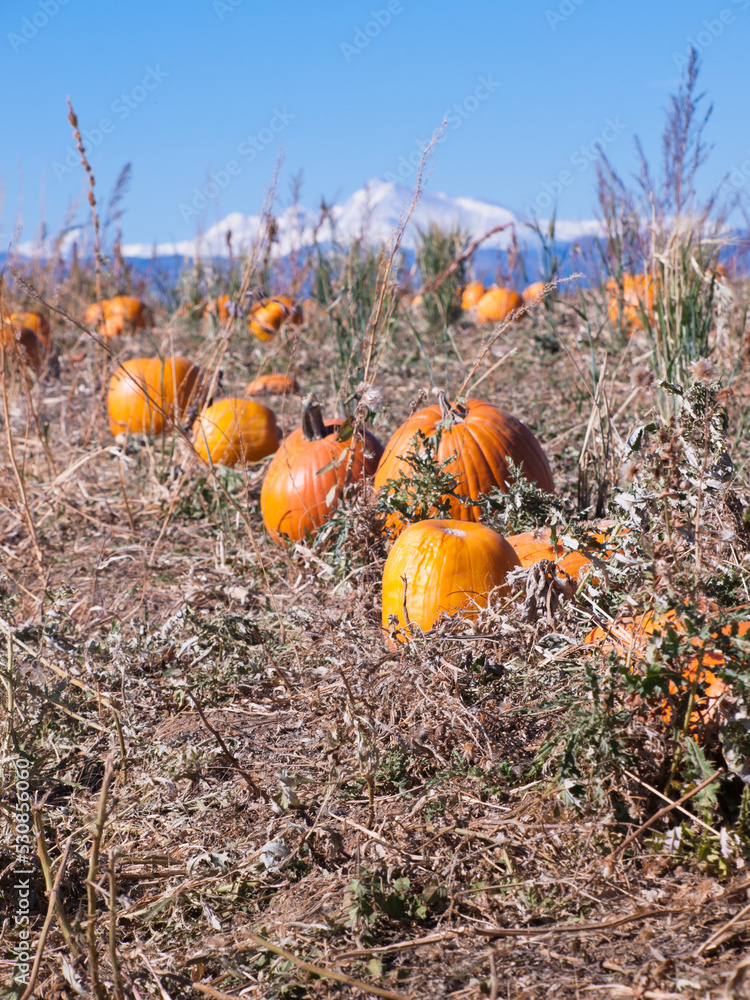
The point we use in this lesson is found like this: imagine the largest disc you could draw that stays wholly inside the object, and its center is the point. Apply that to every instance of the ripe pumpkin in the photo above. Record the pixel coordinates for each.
(497, 304)
(295, 312)
(23, 344)
(637, 296)
(147, 393)
(267, 316)
(631, 634)
(274, 384)
(479, 438)
(533, 546)
(235, 430)
(472, 294)
(113, 326)
(443, 566)
(132, 313)
(307, 474)
(533, 291)
(35, 321)
(221, 307)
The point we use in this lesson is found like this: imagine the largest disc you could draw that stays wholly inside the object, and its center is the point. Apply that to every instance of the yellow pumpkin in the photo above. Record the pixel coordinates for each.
(472, 294)
(441, 566)
(532, 292)
(497, 304)
(235, 430)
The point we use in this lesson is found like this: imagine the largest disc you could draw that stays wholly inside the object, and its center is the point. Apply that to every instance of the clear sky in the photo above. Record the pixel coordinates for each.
(180, 89)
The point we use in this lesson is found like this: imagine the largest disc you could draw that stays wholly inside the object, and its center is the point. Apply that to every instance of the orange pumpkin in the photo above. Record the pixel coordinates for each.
(479, 438)
(234, 430)
(145, 394)
(533, 546)
(35, 321)
(533, 291)
(23, 344)
(134, 312)
(637, 298)
(274, 384)
(472, 294)
(497, 304)
(443, 566)
(222, 307)
(266, 317)
(113, 326)
(295, 315)
(630, 634)
(307, 475)
(95, 313)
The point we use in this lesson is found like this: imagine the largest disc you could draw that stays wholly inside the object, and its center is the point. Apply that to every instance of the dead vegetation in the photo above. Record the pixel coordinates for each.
(239, 788)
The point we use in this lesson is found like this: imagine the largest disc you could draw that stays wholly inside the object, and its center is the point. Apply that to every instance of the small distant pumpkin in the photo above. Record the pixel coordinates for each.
(23, 344)
(304, 481)
(441, 566)
(134, 314)
(266, 317)
(222, 307)
(497, 304)
(235, 430)
(145, 394)
(533, 291)
(113, 326)
(274, 384)
(630, 301)
(35, 321)
(472, 294)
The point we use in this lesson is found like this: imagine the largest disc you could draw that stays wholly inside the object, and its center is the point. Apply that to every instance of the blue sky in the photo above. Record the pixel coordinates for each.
(347, 89)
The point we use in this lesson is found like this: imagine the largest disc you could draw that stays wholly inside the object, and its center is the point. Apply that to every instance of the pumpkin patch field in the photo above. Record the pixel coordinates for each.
(372, 630)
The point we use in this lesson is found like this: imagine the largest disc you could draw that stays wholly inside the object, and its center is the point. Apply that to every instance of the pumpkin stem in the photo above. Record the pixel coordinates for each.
(450, 414)
(313, 425)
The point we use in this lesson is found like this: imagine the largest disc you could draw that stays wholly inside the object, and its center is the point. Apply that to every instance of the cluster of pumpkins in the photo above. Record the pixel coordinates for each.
(437, 566)
(631, 300)
(312, 465)
(121, 315)
(496, 304)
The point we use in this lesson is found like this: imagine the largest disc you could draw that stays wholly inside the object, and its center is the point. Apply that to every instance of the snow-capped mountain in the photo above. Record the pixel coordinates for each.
(374, 212)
